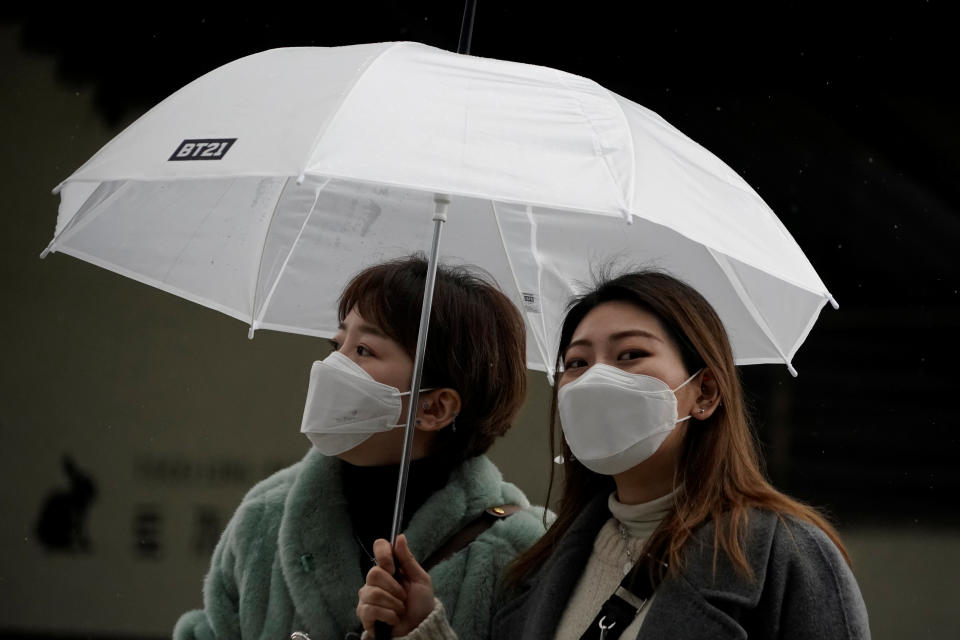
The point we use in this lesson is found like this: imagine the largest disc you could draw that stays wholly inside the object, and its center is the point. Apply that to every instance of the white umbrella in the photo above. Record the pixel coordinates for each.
(262, 187)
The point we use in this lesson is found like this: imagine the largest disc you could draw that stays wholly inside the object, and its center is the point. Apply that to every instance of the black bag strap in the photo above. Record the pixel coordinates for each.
(469, 533)
(631, 596)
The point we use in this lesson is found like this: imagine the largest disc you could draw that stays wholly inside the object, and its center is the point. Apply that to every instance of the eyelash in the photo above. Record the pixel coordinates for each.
(577, 363)
(336, 347)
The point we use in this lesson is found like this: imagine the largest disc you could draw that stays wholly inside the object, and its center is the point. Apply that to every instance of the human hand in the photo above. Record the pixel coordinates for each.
(403, 601)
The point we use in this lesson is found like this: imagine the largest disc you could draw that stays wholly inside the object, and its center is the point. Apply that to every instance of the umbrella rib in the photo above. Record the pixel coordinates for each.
(631, 153)
(535, 252)
(806, 331)
(625, 209)
(540, 347)
(361, 72)
(175, 262)
(84, 215)
(256, 322)
(737, 284)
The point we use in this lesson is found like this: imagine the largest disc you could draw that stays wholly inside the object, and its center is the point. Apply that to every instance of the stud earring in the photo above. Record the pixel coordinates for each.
(701, 410)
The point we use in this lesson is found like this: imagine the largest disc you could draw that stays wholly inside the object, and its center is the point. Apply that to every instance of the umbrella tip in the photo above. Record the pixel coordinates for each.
(301, 178)
(250, 333)
(792, 371)
(833, 302)
(45, 253)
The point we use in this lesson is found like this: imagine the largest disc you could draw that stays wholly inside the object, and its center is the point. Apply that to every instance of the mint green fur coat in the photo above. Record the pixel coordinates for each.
(288, 560)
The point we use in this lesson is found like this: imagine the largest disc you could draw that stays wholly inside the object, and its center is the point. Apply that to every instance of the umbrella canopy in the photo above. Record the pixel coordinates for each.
(262, 187)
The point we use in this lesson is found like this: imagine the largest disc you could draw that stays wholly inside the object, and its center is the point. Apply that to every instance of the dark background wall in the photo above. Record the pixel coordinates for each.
(844, 120)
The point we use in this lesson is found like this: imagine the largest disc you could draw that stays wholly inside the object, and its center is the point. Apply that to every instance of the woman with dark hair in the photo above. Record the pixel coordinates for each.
(296, 551)
(666, 527)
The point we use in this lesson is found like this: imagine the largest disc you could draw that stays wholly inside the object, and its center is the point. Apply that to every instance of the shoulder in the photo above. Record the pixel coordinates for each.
(484, 487)
(518, 531)
(773, 540)
(807, 570)
(480, 484)
(799, 578)
(804, 544)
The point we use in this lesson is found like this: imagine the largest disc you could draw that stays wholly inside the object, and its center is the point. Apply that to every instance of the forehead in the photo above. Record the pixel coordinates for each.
(616, 317)
(356, 322)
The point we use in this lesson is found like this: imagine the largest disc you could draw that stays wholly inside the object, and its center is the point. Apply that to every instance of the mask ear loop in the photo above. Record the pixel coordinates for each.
(425, 404)
(698, 372)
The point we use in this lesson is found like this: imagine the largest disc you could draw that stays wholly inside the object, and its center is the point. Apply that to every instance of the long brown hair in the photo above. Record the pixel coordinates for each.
(719, 476)
(476, 344)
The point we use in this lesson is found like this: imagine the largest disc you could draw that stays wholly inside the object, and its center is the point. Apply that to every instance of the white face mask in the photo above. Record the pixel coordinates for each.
(345, 405)
(614, 420)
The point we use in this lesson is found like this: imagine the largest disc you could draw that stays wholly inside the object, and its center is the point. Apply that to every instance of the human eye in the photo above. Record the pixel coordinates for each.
(334, 345)
(633, 354)
(574, 363)
(362, 350)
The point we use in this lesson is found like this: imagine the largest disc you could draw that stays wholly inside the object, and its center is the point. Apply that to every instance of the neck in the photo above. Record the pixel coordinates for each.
(631, 491)
(651, 479)
(654, 477)
(370, 492)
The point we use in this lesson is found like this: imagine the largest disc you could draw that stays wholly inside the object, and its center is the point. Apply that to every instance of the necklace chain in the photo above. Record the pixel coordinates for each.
(628, 565)
(373, 560)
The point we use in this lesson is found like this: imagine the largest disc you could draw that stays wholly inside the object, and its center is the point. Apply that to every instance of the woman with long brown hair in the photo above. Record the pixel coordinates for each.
(667, 526)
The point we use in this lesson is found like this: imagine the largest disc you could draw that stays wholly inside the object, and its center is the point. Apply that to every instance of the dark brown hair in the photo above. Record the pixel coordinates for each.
(476, 343)
(719, 476)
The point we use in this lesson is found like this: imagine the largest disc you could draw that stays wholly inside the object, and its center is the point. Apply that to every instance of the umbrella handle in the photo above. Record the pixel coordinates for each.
(382, 631)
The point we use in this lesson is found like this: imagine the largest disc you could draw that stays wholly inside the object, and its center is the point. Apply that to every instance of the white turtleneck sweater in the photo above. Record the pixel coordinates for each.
(615, 550)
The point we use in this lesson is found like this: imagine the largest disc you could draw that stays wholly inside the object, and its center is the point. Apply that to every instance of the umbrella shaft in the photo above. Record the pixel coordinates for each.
(417, 371)
(466, 26)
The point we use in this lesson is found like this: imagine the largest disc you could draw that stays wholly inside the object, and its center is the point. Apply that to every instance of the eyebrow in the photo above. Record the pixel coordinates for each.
(620, 335)
(364, 327)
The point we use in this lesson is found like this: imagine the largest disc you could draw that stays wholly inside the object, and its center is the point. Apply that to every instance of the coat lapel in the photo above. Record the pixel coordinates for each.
(702, 603)
(679, 610)
(536, 614)
(318, 553)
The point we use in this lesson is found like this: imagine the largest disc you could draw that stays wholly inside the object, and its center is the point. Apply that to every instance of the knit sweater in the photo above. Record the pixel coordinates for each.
(615, 550)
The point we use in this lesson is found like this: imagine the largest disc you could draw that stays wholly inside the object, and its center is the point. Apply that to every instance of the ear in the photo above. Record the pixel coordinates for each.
(708, 398)
(437, 409)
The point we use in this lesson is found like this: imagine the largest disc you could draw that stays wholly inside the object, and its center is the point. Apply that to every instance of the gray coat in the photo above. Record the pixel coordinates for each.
(802, 588)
